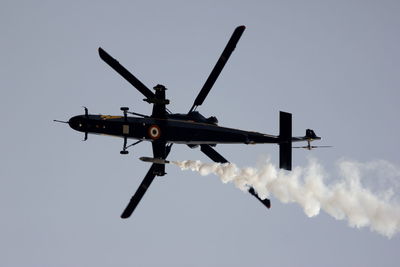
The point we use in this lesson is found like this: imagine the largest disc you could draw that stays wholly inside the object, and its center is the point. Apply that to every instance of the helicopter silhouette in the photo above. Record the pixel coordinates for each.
(163, 128)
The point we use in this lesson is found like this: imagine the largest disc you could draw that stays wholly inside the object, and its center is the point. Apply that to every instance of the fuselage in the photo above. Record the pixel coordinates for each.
(175, 128)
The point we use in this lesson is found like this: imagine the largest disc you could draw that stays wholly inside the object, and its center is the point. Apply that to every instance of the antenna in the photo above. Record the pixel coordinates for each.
(61, 121)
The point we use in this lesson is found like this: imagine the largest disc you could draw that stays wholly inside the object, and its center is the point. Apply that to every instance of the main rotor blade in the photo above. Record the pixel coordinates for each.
(113, 63)
(212, 154)
(218, 67)
(215, 156)
(266, 202)
(148, 179)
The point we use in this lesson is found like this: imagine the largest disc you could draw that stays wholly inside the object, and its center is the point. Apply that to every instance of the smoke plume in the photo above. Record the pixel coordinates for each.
(345, 198)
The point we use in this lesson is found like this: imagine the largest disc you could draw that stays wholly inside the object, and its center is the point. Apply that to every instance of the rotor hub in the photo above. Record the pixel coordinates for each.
(159, 88)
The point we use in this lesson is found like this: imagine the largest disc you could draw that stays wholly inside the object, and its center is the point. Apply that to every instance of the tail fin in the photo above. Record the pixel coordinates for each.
(285, 145)
(310, 134)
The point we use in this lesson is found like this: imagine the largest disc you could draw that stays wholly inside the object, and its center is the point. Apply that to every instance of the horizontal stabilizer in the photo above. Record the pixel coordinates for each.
(310, 136)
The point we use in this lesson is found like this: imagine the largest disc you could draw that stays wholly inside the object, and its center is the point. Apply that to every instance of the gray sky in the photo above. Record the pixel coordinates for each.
(333, 64)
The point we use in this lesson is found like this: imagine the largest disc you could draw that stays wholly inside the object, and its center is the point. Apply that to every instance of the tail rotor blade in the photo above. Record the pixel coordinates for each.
(218, 67)
(113, 63)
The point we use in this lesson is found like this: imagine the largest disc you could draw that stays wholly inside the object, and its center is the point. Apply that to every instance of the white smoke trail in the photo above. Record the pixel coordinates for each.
(346, 198)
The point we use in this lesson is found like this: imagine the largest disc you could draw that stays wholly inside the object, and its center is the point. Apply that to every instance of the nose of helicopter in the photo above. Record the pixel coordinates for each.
(76, 123)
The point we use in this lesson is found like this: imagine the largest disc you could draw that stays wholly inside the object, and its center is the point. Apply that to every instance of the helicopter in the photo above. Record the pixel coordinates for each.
(163, 128)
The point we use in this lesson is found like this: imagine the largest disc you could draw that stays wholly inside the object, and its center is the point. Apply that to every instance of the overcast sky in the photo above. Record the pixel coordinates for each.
(333, 64)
